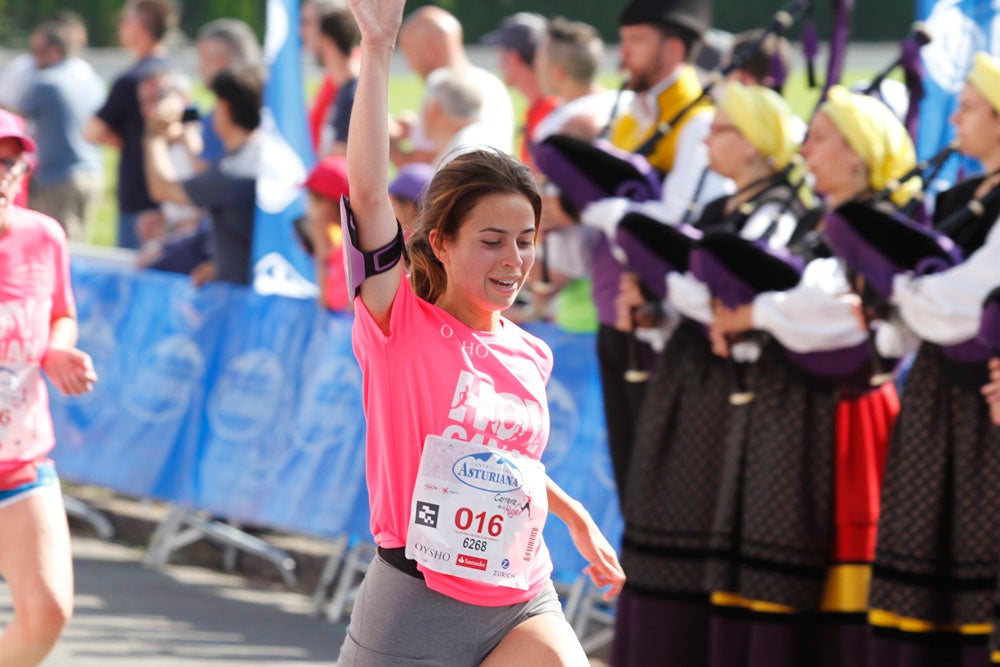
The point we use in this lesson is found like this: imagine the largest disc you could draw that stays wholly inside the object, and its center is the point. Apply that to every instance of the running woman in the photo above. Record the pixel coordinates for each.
(37, 333)
(455, 403)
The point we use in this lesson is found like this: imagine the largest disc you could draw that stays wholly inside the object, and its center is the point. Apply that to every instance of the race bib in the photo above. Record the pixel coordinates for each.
(477, 512)
(19, 405)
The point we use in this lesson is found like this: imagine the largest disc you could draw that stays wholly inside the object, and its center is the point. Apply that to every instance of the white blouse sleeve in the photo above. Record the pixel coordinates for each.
(945, 308)
(814, 315)
(690, 296)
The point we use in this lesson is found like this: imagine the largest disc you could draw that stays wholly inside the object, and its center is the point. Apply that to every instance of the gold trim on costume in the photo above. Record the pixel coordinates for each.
(846, 588)
(886, 619)
(723, 599)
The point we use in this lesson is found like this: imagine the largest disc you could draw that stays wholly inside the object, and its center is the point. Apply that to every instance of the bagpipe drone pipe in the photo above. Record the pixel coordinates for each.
(927, 170)
(909, 61)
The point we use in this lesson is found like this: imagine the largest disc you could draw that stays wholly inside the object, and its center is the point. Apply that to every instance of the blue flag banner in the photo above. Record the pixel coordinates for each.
(960, 29)
(249, 407)
(281, 266)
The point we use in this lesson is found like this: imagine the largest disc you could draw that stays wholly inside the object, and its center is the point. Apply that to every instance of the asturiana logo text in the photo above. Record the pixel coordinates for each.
(488, 472)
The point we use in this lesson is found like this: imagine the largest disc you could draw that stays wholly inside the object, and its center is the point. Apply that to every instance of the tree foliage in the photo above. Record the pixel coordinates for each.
(101, 16)
(874, 21)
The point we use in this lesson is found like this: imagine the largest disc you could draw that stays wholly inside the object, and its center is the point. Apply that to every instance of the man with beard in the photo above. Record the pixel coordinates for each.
(658, 41)
(667, 122)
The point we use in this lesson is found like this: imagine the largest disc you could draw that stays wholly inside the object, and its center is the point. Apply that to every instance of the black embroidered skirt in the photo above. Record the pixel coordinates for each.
(773, 526)
(939, 533)
(676, 465)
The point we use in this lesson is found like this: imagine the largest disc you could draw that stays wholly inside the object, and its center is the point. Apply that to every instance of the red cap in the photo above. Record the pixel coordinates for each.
(329, 178)
(13, 127)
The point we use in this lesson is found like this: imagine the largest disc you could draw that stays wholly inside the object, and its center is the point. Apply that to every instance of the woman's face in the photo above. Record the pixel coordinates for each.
(729, 153)
(11, 154)
(977, 125)
(836, 167)
(489, 259)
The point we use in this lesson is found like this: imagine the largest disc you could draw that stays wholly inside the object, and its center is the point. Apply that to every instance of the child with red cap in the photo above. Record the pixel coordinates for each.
(325, 185)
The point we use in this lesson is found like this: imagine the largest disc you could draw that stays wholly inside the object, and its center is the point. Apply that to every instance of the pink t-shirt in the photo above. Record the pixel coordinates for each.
(434, 375)
(34, 289)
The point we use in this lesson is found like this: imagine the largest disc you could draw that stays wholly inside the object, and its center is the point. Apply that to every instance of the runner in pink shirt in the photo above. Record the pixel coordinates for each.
(37, 332)
(455, 404)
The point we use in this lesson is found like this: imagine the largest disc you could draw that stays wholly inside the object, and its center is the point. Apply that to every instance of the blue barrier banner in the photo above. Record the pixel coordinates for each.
(150, 340)
(960, 29)
(281, 266)
(249, 407)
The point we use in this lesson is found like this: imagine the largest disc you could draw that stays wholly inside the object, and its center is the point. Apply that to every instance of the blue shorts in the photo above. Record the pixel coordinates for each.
(45, 478)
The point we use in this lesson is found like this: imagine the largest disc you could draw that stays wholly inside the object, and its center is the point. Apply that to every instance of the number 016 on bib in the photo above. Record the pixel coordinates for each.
(477, 512)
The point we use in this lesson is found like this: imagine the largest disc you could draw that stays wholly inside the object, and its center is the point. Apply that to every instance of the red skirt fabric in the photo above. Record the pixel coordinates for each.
(862, 438)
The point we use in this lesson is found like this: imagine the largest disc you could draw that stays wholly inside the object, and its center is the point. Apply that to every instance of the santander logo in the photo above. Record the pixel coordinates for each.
(471, 562)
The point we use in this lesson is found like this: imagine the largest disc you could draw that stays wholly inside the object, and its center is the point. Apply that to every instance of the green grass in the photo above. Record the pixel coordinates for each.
(405, 93)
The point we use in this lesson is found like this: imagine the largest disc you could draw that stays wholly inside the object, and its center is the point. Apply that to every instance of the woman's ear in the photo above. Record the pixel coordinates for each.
(437, 246)
(859, 169)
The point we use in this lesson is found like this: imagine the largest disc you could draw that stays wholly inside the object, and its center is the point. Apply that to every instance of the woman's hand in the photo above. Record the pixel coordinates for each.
(71, 370)
(727, 322)
(378, 20)
(603, 569)
(628, 300)
(731, 320)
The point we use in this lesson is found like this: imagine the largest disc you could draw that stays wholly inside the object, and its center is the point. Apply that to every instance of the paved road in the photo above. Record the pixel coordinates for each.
(127, 615)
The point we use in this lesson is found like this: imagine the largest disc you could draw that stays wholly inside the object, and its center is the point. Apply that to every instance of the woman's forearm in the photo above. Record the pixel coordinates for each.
(368, 148)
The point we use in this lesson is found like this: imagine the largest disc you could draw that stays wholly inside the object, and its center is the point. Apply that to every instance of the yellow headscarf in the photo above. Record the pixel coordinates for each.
(985, 76)
(878, 137)
(763, 118)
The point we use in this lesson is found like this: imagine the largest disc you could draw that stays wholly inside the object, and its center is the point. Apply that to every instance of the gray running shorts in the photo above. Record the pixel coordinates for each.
(398, 621)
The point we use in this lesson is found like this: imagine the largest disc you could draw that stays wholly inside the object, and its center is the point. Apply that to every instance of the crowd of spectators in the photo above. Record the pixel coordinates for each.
(185, 178)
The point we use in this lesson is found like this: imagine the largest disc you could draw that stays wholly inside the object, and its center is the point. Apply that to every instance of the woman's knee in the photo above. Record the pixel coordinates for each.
(546, 640)
(45, 614)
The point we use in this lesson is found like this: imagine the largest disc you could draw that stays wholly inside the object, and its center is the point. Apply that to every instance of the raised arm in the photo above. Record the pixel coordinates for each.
(368, 146)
